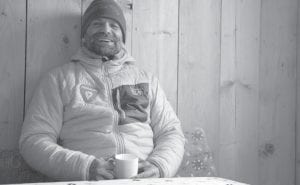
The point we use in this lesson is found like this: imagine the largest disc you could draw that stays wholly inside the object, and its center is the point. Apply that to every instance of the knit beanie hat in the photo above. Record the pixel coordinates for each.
(104, 9)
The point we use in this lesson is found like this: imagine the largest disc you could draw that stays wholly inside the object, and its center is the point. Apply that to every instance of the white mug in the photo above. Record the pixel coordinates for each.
(126, 166)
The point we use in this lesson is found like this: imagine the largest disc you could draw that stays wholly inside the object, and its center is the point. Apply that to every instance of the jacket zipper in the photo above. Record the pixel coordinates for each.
(116, 132)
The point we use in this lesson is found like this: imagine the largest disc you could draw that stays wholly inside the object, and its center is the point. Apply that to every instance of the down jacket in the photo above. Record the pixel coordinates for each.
(88, 109)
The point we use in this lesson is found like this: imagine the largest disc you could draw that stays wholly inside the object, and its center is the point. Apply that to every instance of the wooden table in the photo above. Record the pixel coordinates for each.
(156, 181)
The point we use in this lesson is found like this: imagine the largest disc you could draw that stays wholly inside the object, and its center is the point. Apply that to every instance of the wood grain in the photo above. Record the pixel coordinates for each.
(228, 150)
(12, 68)
(199, 68)
(53, 37)
(247, 89)
(277, 85)
(297, 162)
(155, 41)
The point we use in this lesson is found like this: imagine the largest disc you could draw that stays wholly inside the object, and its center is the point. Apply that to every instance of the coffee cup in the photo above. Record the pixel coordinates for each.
(126, 166)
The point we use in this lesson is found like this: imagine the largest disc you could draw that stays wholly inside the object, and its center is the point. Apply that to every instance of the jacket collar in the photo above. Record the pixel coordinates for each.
(94, 62)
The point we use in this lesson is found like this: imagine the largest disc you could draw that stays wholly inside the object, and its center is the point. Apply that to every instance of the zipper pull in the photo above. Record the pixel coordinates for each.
(104, 70)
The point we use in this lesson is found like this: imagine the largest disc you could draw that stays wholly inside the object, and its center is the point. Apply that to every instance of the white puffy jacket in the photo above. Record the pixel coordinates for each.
(88, 109)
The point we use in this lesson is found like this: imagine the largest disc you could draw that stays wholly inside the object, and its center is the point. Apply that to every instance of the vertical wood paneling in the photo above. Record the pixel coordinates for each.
(12, 67)
(53, 37)
(228, 152)
(247, 89)
(297, 162)
(199, 68)
(298, 102)
(127, 7)
(154, 41)
(277, 92)
(265, 52)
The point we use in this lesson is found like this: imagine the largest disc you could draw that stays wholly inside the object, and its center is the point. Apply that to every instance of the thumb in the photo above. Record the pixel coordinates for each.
(143, 164)
(146, 174)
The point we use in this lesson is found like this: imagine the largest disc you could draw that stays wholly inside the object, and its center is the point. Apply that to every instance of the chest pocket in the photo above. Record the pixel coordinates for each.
(131, 102)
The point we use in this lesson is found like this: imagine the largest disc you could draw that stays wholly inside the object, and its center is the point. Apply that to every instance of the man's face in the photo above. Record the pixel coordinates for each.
(103, 37)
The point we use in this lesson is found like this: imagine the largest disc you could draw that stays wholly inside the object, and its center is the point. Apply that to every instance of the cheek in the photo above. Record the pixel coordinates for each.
(91, 31)
(87, 34)
(87, 40)
(119, 34)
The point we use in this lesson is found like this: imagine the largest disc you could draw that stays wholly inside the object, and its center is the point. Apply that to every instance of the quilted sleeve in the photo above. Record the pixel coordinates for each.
(40, 132)
(168, 136)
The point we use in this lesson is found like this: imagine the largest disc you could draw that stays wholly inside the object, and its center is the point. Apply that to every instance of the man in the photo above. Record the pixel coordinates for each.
(98, 105)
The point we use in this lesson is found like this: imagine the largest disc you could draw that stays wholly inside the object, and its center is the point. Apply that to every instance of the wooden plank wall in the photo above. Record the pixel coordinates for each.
(277, 101)
(298, 103)
(227, 145)
(258, 90)
(199, 67)
(155, 39)
(12, 69)
(228, 66)
(247, 89)
(53, 36)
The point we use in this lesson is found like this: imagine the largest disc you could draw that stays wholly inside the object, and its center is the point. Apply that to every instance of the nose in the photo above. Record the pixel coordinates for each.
(107, 28)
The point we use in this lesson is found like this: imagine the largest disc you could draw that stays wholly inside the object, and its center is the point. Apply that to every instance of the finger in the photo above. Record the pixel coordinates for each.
(144, 164)
(106, 174)
(112, 161)
(99, 178)
(109, 165)
(113, 157)
(146, 174)
(142, 167)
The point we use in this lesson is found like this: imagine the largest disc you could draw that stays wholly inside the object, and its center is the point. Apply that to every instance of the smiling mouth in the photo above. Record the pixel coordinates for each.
(104, 40)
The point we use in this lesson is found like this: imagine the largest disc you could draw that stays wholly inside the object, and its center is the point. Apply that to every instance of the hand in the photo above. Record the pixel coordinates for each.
(101, 169)
(147, 170)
